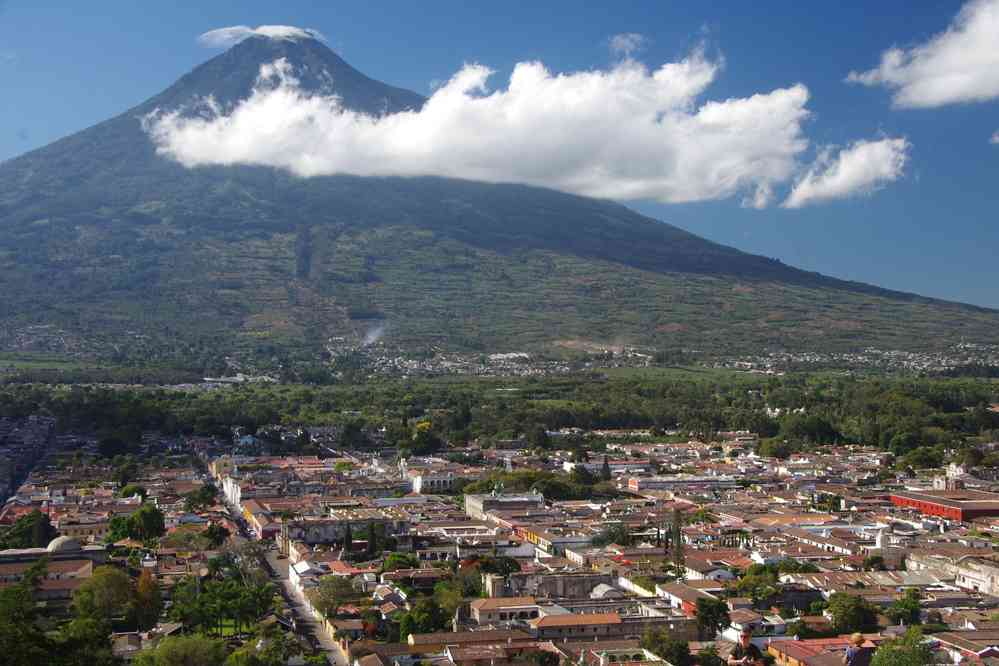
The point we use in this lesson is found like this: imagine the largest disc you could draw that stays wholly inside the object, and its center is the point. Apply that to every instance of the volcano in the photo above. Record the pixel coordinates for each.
(110, 250)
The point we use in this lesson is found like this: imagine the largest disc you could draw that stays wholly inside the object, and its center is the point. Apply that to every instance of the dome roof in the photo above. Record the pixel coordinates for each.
(63, 544)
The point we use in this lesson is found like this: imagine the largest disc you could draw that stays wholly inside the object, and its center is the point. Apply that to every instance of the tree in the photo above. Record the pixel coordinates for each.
(702, 515)
(905, 610)
(874, 563)
(122, 474)
(85, 642)
(617, 533)
(331, 593)
(216, 535)
(757, 585)
(537, 437)
(708, 656)
(923, 457)
(424, 440)
(470, 579)
(33, 530)
(22, 640)
(851, 613)
(449, 595)
(148, 601)
(973, 457)
(200, 499)
(803, 630)
(191, 650)
(501, 565)
(42, 531)
(677, 652)
(791, 565)
(272, 647)
(371, 549)
(396, 561)
(118, 529)
(36, 572)
(187, 605)
(109, 447)
(775, 448)
(605, 471)
(808, 427)
(146, 523)
(663, 644)
(425, 617)
(543, 658)
(105, 596)
(132, 489)
(906, 650)
(348, 539)
(581, 476)
(712, 617)
(676, 545)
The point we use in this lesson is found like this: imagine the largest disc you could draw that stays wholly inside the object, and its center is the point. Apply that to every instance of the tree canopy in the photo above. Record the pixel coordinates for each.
(851, 613)
(906, 650)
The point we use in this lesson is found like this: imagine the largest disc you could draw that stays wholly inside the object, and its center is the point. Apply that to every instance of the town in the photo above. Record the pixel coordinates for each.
(645, 547)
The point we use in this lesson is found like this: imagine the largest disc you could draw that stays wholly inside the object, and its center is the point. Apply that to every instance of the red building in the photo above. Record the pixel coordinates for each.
(960, 505)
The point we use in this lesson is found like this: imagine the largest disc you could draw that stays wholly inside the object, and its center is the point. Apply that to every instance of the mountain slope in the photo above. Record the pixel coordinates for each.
(120, 252)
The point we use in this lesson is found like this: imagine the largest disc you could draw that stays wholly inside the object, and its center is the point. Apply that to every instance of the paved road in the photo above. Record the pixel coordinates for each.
(305, 621)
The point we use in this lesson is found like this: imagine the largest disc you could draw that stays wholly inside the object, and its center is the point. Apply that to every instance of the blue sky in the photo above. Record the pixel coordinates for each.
(933, 230)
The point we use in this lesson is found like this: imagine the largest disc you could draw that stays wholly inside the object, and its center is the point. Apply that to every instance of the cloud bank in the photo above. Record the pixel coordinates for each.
(226, 37)
(624, 133)
(959, 65)
(862, 168)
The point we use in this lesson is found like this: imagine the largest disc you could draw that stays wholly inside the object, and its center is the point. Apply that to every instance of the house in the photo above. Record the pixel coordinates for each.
(437, 641)
(682, 597)
(569, 625)
(973, 646)
(372, 659)
(979, 574)
(698, 567)
(815, 651)
(503, 609)
(420, 579)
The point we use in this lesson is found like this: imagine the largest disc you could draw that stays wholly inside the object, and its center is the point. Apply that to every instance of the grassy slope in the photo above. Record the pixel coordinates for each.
(426, 287)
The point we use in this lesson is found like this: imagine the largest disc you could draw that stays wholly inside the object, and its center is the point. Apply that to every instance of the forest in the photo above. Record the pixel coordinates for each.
(922, 418)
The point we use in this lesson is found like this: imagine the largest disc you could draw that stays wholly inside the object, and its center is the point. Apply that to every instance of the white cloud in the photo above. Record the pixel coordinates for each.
(759, 199)
(862, 168)
(995, 138)
(627, 43)
(958, 65)
(624, 133)
(226, 37)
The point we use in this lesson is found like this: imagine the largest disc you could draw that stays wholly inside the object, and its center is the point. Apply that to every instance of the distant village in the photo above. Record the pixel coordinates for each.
(373, 357)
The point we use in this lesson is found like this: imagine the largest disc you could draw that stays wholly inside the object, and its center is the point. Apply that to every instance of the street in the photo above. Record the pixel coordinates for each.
(305, 620)
(306, 624)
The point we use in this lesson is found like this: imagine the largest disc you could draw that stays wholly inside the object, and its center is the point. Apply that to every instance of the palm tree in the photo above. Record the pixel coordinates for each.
(245, 609)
